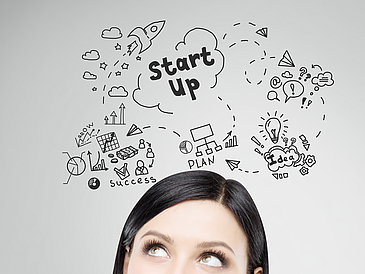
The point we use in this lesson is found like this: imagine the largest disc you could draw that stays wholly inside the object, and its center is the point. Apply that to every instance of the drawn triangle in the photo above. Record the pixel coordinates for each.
(286, 60)
(134, 130)
(263, 32)
(232, 164)
(276, 176)
(306, 146)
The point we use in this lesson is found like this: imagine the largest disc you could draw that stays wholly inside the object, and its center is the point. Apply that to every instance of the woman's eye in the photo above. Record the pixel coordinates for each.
(211, 261)
(157, 252)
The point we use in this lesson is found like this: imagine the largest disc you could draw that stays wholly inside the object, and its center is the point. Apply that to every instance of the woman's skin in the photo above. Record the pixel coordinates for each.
(199, 236)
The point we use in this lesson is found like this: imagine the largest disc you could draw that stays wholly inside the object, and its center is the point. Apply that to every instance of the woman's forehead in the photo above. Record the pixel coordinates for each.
(197, 221)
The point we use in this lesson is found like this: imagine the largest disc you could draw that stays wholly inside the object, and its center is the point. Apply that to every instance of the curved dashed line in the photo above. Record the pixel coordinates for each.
(232, 45)
(322, 100)
(244, 40)
(252, 61)
(319, 133)
(259, 82)
(224, 36)
(146, 127)
(161, 127)
(252, 24)
(236, 24)
(176, 133)
(257, 43)
(229, 107)
(248, 81)
(324, 117)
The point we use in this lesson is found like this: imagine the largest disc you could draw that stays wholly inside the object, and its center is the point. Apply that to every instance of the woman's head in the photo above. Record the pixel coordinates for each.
(199, 212)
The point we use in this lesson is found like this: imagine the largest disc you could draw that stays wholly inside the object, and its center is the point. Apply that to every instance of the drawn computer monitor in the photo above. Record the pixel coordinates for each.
(203, 133)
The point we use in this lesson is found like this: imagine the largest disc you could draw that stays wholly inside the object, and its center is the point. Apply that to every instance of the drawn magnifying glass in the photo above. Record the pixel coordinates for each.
(272, 95)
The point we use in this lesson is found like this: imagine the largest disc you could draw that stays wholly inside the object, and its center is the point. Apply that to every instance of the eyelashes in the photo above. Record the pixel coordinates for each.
(211, 257)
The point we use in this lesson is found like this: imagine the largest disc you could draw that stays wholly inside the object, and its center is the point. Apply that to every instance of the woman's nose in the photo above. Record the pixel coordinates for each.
(182, 267)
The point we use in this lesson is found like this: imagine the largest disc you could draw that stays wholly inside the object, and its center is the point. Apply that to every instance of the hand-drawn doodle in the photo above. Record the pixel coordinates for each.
(263, 32)
(122, 172)
(273, 127)
(75, 165)
(134, 130)
(127, 152)
(86, 134)
(185, 147)
(303, 71)
(286, 60)
(308, 103)
(275, 82)
(202, 133)
(92, 55)
(113, 116)
(93, 183)
(89, 76)
(279, 176)
(98, 166)
(147, 34)
(103, 65)
(305, 142)
(232, 164)
(230, 141)
(272, 95)
(141, 169)
(111, 33)
(292, 89)
(286, 74)
(118, 91)
(150, 154)
(118, 46)
(108, 142)
(323, 79)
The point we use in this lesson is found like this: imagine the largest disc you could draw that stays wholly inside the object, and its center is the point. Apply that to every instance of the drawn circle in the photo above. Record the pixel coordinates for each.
(186, 147)
(114, 161)
(93, 183)
(275, 82)
(111, 155)
(311, 93)
(316, 88)
(153, 29)
(76, 166)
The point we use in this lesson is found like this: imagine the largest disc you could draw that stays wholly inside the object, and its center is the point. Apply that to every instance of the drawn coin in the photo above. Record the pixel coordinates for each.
(93, 183)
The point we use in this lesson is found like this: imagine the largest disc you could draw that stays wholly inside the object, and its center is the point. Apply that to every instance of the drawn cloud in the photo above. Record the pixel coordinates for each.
(287, 74)
(323, 79)
(119, 91)
(89, 76)
(91, 55)
(157, 93)
(111, 33)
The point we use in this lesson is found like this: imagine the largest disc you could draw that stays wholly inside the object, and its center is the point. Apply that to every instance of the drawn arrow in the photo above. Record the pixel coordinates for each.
(113, 115)
(151, 164)
(122, 108)
(106, 119)
(228, 135)
(89, 154)
(314, 66)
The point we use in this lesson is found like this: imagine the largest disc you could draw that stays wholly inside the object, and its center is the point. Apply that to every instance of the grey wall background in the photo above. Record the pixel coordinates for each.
(314, 223)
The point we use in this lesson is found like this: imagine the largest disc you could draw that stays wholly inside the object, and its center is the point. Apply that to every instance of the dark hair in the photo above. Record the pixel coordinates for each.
(198, 185)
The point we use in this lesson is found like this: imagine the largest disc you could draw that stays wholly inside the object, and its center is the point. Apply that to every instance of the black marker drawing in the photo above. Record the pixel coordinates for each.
(147, 34)
(292, 89)
(263, 32)
(127, 152)
(274, 127)
(118, 46)
(141, 169)
(75, 166)
(93, 183)
(112, 120)
(185, 147)
(111, 33)
(89, 76)
(279, 176)
(122, 172)
(98, 166)
(86, 134)
(202, 133)
(108, 142)
(230, 141)
(103, 65)
(92, 55)
(233, 164)
(134, 130)
(286, 60)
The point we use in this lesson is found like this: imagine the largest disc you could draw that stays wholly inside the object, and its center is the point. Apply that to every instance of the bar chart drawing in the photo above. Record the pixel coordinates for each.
(231, 142)
(100, 164)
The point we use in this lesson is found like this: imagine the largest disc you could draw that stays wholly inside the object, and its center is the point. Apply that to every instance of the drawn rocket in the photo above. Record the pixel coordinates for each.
(147, 34)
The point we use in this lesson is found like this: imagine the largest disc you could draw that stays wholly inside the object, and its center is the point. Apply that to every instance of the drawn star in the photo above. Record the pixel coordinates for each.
(125, 66)
(94, 89)
(118, 73)
(138, 58)
(103, 65)
(118, 47)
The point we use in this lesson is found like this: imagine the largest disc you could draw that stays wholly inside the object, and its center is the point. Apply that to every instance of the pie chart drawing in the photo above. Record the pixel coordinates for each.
(93, 183)
(186, 147)
(76, 166)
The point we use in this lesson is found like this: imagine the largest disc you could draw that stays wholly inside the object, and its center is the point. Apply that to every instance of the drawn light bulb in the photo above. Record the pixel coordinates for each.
(272, 127)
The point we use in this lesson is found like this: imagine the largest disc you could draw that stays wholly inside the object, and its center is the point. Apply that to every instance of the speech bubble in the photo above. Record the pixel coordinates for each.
(292, 89)
(278, 157)
(272, 95)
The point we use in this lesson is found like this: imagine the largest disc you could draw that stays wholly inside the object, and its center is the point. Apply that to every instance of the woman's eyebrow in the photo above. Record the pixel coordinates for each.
(214, 244)
(159, 235)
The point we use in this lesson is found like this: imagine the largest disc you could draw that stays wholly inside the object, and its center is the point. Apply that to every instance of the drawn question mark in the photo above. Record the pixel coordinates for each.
(303, 70)
(308, 76)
